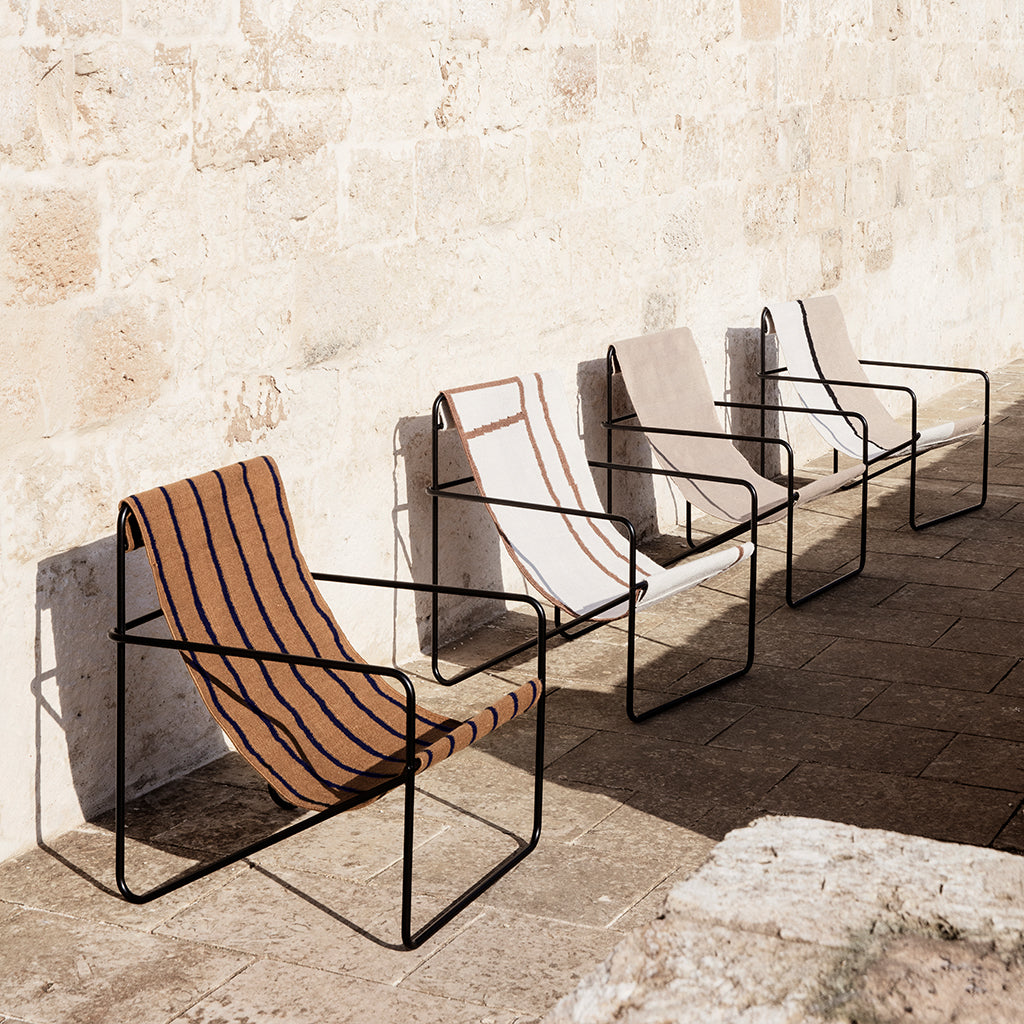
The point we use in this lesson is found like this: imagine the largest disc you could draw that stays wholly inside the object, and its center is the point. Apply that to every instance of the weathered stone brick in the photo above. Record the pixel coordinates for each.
(51, 247)
(378, 197)
(131, 102)
(239, 119)
(770, 210)
(395, 90)
(121, 358)
(889, 18)
(21, 75)
(596, 18)
(831, 244)
(611, 170)
(79, 17)
(447, 185)
(873, 241)
(662, 159)
(513, 89)
(503, 192)
(341, 305)
(171, 19)
(554, 171)
(822, 197)
(865, 190)
(291, 208)
(480, 19)
(461, 74)
(761, 19)
(154, 243)
(574, 82)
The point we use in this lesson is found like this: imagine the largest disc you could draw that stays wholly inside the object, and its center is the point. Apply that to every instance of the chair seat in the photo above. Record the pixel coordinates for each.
(663, 583)
(949, 433)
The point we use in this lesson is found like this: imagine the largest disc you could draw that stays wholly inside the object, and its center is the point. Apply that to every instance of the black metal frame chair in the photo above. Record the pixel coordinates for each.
(124, 635)
(614, 423)
(892, 458)
(578, 625)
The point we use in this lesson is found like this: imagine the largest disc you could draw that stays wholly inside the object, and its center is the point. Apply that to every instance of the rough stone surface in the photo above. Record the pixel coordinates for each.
(796, 921)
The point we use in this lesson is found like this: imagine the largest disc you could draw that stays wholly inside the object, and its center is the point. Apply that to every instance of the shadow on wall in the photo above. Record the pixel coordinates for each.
(469, 550)
(75, 692)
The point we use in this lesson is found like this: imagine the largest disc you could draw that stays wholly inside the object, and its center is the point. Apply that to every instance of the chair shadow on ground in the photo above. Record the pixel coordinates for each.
(847, 714)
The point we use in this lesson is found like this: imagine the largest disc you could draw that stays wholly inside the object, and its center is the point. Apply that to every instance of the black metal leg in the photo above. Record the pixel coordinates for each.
(640, 716)
(410, 939)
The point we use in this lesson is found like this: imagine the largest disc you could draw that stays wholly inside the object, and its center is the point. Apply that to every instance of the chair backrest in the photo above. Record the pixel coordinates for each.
(228, 571)
(522, 444)
(668, 387)
(814, 343)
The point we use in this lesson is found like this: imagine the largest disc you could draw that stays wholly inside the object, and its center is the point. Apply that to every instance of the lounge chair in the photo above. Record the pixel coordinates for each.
(326, 730)
(673, 406)
(531, 472)
(821, 363)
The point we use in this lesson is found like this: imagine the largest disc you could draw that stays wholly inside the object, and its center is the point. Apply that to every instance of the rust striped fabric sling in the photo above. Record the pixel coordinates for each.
(228, 571)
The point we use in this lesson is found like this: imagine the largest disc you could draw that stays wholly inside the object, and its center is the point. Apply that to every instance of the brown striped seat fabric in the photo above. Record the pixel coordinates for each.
(229, 572)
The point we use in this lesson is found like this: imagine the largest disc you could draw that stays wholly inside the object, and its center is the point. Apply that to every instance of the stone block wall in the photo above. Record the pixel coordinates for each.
(239, 226)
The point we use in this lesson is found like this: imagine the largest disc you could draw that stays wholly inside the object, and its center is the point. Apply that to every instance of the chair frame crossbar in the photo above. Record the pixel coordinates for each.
(123, 636)
(569, 630)
(614, 423)
(891, 459)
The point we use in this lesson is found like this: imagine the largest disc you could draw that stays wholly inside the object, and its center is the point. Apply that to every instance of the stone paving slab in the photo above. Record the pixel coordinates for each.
(835, 924)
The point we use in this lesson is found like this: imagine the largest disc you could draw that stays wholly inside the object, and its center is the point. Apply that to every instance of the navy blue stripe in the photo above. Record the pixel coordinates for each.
(189, 659)
(851, 423)
(296, 673)
(328, 619)
(213, 638)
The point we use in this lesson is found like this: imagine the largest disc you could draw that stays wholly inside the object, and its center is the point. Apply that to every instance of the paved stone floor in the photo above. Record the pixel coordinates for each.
(895, 702)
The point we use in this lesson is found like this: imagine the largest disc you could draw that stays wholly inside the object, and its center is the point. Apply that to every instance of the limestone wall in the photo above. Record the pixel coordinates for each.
(241, 226)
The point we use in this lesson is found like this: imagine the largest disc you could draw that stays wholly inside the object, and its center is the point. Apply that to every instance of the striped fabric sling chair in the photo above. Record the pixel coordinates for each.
(825, 371)
(530, 470)
(673, 406)
(327, 731)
